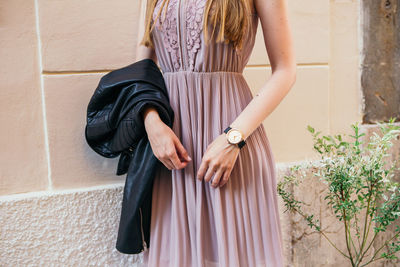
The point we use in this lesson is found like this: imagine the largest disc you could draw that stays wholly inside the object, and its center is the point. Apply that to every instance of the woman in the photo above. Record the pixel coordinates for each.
(215, 202)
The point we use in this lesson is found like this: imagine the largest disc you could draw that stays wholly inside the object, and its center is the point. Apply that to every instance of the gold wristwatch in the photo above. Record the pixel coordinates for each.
(234, 136)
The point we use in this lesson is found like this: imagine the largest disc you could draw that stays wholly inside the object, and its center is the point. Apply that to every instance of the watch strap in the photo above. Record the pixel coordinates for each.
(241, 143)
(227, 129)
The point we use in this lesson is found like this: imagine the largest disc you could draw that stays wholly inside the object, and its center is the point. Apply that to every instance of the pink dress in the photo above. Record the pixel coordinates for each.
(192, 223)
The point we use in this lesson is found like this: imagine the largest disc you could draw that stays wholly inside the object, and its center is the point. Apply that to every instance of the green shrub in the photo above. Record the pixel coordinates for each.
(358, 179)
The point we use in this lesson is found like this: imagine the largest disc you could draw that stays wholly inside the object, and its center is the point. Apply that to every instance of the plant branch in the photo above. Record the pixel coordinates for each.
(375, 235)
(376, 252)
(327, 238)
(347, 240)
(364, 238)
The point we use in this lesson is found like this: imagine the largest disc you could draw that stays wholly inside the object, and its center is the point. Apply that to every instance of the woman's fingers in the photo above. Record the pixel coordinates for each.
(173, 156)
(170, 157)
(182, 151)
(167, 163)
(217, 177)
(165, 160)
(202, 169)
(225, 178)
(169, 149)
(210, 172)
(221, 174)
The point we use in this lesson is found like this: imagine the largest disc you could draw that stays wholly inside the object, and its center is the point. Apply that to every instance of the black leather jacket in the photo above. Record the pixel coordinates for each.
(115, 127)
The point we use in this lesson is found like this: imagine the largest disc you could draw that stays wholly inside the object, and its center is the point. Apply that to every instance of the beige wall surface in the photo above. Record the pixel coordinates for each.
(326, 94)
(54, 53)
(23, 156)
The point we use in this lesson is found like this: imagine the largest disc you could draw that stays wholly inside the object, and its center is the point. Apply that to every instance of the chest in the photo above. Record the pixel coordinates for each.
(187, 14)
(179, 24)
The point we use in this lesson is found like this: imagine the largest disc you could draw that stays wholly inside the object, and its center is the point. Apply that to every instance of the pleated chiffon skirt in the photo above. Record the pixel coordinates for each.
(195, 224)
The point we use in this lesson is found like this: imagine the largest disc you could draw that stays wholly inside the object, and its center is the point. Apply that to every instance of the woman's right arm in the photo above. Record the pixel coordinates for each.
(150, 114)
(165, 144)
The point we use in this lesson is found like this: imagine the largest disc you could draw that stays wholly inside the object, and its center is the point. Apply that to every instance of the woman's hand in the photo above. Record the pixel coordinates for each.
(219, 158)
(165, 144)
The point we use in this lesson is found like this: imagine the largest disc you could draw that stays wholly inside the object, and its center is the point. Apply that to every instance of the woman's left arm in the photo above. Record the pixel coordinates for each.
(279, 45)
(220, 156)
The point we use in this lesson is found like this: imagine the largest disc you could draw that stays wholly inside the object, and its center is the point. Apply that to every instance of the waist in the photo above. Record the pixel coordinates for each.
(202, 72)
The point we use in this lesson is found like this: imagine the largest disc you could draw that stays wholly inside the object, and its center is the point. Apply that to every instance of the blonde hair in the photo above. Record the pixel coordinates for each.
(233, 15)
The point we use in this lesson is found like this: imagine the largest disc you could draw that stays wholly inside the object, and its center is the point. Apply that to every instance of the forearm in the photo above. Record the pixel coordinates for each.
(264, 102)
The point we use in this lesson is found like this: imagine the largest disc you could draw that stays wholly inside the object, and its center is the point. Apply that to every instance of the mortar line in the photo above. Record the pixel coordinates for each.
(45, 128)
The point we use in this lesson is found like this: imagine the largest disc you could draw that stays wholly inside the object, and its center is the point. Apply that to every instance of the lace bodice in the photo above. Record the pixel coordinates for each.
(193, 15)
(170, 30)
(179, 32)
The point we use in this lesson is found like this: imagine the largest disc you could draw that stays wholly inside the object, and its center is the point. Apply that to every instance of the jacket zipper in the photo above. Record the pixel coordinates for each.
(141, 228)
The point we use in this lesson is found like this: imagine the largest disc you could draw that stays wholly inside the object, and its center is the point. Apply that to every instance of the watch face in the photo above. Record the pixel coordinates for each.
(234, 136)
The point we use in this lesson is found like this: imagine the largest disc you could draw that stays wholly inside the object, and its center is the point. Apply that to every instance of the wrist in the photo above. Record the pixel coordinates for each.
(150, 117)
(234, 136)
(241, 129)
(150, 114)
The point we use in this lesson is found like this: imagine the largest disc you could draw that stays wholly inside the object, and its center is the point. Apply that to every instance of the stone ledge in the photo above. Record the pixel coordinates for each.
(62, 228)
